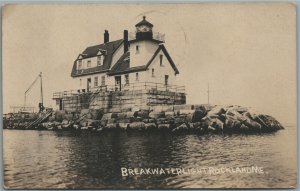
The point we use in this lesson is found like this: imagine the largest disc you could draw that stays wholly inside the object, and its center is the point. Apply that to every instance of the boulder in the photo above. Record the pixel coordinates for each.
(137, 125)
(162, 121)
(232, 124)
(169, 114)
(211, 129)
(150, 126)
(59, 115)
(181, 128)
(244, 128)
(96, 114)
(218, 110)
(183, 107)
(236, 115)
(253, 125)
(142, 114)
(107, 116)
(124, 125)
(111, 125)
(163, 126)
(155, 115)
(217, 124)
(198, 115)
(185, 111)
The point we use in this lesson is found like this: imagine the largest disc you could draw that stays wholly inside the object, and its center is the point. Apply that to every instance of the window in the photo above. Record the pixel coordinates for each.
(103, 81)
(152, 72)
(161, 60)
(95, 81)
(79, 67)
(127, 79)
(137, 49)
(99, 60)
(166, 79)
(88, 64)
(80, 82)
(136, 76)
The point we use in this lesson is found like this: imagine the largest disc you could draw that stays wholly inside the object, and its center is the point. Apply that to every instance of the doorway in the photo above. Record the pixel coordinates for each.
(118, 83)
(89, 84)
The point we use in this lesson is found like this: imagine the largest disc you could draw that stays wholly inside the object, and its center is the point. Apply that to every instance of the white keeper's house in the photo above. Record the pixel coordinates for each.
(131, 72)
(141, 57)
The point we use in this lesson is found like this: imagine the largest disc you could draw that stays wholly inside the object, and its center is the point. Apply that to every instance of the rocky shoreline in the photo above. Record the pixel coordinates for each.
(198, 119)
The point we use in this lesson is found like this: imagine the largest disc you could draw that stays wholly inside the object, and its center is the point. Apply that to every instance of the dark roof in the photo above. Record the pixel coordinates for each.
(108, 50)
(123, 65)
(144, 22)
(152, 40)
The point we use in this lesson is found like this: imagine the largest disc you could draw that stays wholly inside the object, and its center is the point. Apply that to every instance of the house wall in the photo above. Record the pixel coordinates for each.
(93, 60)
(146, 51)
(159, 72)
(82, 81)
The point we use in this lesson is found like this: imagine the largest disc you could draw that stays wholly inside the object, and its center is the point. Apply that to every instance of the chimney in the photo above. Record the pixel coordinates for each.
(106, 36)
(125, 41)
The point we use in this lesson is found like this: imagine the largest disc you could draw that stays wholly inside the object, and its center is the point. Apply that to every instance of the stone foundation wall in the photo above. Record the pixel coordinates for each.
(122, 100)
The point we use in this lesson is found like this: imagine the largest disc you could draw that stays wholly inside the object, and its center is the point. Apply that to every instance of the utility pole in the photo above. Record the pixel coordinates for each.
(207, 93)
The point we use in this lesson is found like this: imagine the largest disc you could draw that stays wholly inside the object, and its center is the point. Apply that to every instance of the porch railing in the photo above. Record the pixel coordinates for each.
(123, 87)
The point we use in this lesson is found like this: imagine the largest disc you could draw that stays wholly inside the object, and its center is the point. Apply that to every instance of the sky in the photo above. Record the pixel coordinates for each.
(246, 52)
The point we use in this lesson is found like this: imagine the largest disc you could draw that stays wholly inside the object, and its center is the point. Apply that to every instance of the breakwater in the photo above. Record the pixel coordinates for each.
(199, 119)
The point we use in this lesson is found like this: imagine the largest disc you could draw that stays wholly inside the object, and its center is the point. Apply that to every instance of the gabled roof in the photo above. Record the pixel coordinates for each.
(107, 49)
(123, 65)
(144, 22)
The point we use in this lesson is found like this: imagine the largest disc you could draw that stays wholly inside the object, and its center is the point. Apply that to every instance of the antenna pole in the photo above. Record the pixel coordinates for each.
(41, 87)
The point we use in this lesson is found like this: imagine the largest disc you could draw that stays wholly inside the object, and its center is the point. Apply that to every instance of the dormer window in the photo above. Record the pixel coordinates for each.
(79, 66)
(137, 49)
(88, 65)
(99, 60)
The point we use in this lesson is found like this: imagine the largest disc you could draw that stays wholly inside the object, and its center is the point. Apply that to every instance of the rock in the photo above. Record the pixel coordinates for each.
(211, 129)
(198, 115)
(181, 128)
(124, 125)
(267, 123)
(218, 110)
(217, 124)
(185, 111)
(189, 117)
(65, 122)
(169, 114)
(115, 110)
(236, 115)
(150, 126)
(124, 120)
(244, 128)
(231, 123)
(121, 115)
(59, 115)
(111, 125)
(253, 126)
(84, 112)
(162, 120)
(183, 107)
(163, 126)
(137, 125)
(107, 116)
(96, 114)
(155, 115)
(142, 114)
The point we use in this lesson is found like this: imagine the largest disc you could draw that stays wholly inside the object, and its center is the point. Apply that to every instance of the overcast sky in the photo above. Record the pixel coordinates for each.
(246, 52)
